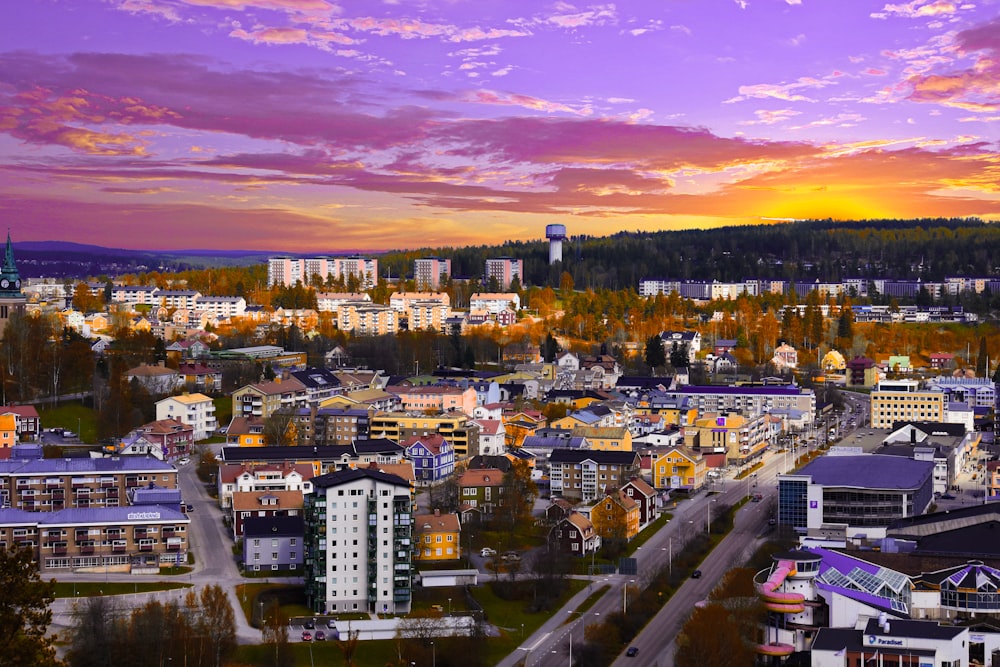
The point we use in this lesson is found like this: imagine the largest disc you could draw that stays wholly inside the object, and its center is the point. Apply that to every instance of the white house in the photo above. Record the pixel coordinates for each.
(195, 410)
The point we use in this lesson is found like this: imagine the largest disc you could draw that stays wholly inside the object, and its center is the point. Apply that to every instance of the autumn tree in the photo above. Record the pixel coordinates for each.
(216, 622)
(279, 428)
(711, 638)
(275, 633)
(517, 495)
(24, 612)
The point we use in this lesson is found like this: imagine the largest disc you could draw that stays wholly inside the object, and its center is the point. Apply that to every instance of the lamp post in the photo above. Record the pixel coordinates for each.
(434, 660)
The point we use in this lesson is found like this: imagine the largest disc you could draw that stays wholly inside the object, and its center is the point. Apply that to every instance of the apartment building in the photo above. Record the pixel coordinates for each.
(429, 271)
(585, 473)
(904, 400)
(330, 302)
(331, 426)
(504, 270)
(368, 319)
(120, 539)
(179, 299)
(402, 301)
(457, 428)
(273, 543)
(263, 399)
(679, 468)
(749, 400)
(494, 302)
(263, 504)
(438, 398)
(428, 315)
(728, 439)
(195, 410)
(359, 543)
(48, 485)
(223, 307)
(287, 271)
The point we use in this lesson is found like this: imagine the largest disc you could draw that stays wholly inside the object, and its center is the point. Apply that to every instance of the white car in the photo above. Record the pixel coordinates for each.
(183, 461)
(487, 552)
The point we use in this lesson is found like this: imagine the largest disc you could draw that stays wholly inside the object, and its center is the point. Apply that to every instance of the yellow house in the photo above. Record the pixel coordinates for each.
(8, 432)
(679, 468)
(606, 439)
(833, 361)
(672, 415)
(436, 536)
(246, 432)
(568, 423)
(616, 516)
(454, 427)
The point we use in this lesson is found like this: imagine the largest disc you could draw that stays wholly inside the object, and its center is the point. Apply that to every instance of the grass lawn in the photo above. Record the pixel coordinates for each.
(71, 415)
(223, 409)
(86, 589)
(510, 615)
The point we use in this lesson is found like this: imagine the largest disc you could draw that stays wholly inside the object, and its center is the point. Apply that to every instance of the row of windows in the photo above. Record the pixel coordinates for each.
(274, 556)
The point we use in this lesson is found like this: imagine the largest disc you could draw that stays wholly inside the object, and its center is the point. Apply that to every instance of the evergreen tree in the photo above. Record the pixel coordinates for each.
(24, 612)
(655, 356)
(982, 359)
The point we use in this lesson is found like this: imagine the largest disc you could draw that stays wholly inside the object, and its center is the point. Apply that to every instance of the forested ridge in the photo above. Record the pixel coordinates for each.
(929, 249)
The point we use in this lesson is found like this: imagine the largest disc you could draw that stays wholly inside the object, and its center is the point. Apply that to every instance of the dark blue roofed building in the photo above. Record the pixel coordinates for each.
(856, 495)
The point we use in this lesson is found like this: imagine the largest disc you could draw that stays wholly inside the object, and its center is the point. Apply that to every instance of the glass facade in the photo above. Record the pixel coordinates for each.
(792, 502)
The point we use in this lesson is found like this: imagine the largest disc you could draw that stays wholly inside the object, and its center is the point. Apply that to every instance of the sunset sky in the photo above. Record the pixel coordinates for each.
(324, 125)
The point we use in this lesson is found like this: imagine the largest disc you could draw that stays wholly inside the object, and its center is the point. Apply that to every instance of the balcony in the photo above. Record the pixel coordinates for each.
(145, 547)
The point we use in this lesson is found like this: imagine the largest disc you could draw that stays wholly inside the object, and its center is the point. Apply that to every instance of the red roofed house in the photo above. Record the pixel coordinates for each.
(26, 417)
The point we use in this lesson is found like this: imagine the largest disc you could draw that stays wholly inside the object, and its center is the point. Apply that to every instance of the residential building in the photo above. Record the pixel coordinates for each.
(222, 307)
(456, 427)
(503, 270)
(48, 485)
(401, 302)
(287, 271)
(157, 380)
(862, 372)
(262, 477)
(196, 410)
(609, 439)
(729, 439)
(645, 497)
(273, 543)
(8, 434)
(428, 272)
(436, 537)
(358, 539)
(200, 377)
(585, 474)
(263, 504)
(494, 302)
(331, 302)
(428, 315)
(263, 399)
(26, 421)
(179, 299)
(246, 432)
(679, 468)
(168, 439)
(331, 425)
(677, 340)
(615, 516)
(492, 436)
(435, 398)
(575, 534)
(433, 457)
(480, 492)
(367, 320)
(748, 400)
(115, 539)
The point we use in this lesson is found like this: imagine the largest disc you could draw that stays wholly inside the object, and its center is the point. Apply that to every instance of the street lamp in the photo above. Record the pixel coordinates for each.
(625, 596)
(449, 606)
(434, 661)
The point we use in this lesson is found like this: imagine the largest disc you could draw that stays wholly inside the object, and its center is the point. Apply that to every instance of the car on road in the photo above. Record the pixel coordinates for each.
(320, 636)
(632, 651)
(183, 461)
(487, 552)
(511, 556)
(772, 521)
(696, 574)
(189, 507)
(307, 636)
(68, 434)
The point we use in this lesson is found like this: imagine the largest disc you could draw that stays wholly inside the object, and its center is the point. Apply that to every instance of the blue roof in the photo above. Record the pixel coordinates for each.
(869, 471)
(84, 465)
(552, 442)
(94, 515)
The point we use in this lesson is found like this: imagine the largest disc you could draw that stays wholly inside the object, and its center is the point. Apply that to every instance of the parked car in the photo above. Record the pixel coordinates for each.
(487, 552)
(310, 624)
(947, 496)
(307, 636)
(632, 651)
(511, 556)
(320, 635)
(331, 624)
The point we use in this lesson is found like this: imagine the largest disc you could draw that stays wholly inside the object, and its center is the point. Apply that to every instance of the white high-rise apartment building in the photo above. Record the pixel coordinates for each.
(428, 271)
(288, 270)
(358, 543)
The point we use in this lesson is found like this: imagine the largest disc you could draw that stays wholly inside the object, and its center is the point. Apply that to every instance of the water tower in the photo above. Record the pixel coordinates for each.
(556, 234)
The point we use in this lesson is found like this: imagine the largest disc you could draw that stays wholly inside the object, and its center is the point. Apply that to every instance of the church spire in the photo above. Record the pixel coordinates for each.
(10, 279)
